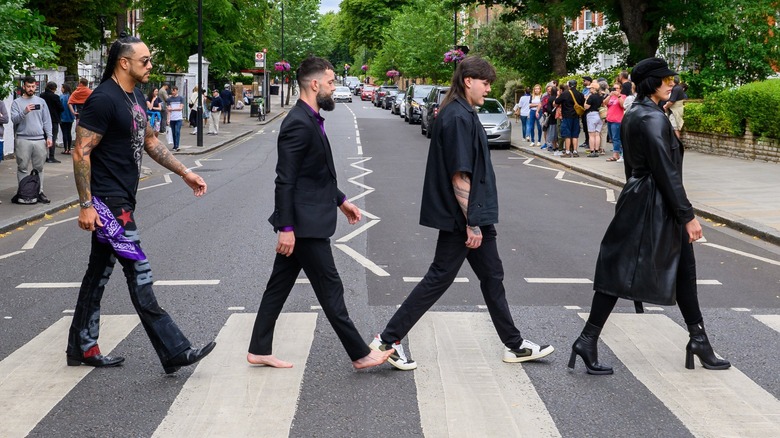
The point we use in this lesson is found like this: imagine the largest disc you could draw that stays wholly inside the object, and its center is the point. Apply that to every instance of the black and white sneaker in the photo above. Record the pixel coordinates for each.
(527, 351)
(399, 358)
(42, 198)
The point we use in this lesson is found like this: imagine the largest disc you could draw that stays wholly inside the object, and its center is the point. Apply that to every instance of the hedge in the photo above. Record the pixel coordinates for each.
(731, 111)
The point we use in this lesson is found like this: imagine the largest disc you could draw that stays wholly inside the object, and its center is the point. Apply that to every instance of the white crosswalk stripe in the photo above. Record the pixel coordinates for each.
(463, 389)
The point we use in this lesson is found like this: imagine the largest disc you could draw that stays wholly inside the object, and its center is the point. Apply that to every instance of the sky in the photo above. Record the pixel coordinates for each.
(329, 5)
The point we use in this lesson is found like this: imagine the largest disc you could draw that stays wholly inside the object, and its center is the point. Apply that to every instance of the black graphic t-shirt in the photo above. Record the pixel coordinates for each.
(120, 118)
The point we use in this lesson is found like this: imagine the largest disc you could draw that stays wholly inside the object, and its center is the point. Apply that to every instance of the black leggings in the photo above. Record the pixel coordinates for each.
(67, 138)
(687, 295)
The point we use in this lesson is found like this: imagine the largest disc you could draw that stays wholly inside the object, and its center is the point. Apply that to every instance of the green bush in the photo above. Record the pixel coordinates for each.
(731, 111)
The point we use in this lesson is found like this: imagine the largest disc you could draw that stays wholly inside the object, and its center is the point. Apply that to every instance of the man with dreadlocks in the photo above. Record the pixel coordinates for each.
(110, 139)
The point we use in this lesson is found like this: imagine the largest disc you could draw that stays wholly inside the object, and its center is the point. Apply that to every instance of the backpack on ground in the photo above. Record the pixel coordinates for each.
(29, 187)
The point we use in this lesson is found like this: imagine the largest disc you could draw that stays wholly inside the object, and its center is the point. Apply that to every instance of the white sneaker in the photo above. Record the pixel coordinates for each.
(619, 160)
(399, 358)
(558, 153)
(527, 351)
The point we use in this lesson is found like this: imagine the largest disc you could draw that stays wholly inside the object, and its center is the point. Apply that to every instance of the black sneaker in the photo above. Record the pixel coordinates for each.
(43, 198)
(399, 358)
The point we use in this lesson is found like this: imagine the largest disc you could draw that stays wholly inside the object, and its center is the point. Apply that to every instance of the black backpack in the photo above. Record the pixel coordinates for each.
(29, 187)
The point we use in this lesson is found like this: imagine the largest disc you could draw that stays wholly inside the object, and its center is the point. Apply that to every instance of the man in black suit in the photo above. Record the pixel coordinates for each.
(306, 198)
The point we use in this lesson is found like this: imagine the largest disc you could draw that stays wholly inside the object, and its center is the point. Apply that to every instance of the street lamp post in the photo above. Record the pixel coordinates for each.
(281, 87)
(199, 127)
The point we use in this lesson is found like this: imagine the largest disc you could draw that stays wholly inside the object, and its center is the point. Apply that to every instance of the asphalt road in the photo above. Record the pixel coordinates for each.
(551, 223)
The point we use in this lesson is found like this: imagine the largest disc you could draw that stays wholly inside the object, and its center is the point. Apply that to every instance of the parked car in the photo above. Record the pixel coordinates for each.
(381, 92)
(389, 99)
(430, 109)
(414, 100)
(351, 82)
(399, 99)
(358, 89)
(402, 107)
(342, 94)
(367, 93)
(496, 123)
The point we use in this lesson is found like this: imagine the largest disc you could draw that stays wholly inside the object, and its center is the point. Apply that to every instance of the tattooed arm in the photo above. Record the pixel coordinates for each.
(86, 142)
(159, 153)
(461, 184)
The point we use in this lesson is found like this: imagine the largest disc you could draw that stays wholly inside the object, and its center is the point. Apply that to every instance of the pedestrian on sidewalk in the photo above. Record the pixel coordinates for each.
(162, 93)
(66, 120)
(154, 110)
(33, 133)
(615, 113)
(227, 103)
(192, 103)
(175, 106)
(647, 251)
(304, 216)
(55, 110)
(551, 123)
(593, 103)
(215, 109)
(460, 200)
(533, 117)
(3, 120)
(111, 137)
(79, 96)
(523, 109)
(586, 82)
(570, 124)
(675, 107)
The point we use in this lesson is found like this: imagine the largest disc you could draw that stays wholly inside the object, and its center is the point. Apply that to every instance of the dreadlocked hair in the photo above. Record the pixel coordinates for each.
(122, 47)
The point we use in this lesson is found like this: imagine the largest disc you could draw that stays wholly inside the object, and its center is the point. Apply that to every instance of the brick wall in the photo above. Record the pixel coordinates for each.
(747, 147)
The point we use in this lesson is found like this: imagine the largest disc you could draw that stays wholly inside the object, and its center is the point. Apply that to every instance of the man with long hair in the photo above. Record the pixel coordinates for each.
(460, 200)
(111, 137)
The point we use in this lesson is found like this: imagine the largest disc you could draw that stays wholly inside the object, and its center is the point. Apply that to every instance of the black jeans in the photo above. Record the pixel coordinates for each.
(451, 252)
(314, 256)
(687, 292)
(167, 339)
(55, 131)
(67, 137)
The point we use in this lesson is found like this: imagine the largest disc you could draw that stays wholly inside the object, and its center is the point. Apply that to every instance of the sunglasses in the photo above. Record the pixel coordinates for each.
(668, 79)
(146, 60)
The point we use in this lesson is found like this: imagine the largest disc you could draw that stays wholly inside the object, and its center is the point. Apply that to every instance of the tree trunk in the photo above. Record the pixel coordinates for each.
(642, 33)
(556, 42)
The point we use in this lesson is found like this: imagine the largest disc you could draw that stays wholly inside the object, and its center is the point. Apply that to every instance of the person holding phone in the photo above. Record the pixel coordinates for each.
(33, 132)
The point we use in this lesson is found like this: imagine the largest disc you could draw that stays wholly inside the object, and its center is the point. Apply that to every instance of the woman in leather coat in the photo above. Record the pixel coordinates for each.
(647, 251)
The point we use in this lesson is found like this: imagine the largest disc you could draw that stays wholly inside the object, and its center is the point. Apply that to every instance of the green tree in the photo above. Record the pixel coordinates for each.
(232, 32)
(526, 53)
(364, 21)
(25, 42)
(78, 26)
(415, 42)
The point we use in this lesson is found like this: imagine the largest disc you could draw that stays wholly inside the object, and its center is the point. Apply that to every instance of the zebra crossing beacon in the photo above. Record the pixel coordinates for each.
(111, 137)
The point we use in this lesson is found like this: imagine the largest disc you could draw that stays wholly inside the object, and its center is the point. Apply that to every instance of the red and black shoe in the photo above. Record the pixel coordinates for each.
(92, 357)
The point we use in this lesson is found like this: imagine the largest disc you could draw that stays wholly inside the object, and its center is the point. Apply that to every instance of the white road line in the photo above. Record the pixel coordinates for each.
(64, 220)
(708, 403)
(419, 279)
(316, 307)
(302, 281)
(610, 195)
(572, 307)
(463, 388)
(167, 178)
(35, 237)
(29, 389)
(69, 311)
(186, 282)
(153, 186)
(360, 230)
(558, 280)
(225, 396)
(657, 309)
(742, 253)
(367, 214)
(156, 283)
(709, 283)
(10, 254)
(481, 306)
(560, 174)
(236, 308)
(740, 309)
(360, 150)
(772, 321)
(368, 264)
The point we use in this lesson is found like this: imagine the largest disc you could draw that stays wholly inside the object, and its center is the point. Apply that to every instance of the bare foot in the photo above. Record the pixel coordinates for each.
(269, 360)
(373, 359)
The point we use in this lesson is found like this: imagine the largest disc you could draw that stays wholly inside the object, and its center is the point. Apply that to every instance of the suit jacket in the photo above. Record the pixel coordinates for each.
(306, 194)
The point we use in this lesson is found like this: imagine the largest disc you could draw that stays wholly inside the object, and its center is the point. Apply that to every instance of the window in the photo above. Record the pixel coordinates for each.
(590, 20)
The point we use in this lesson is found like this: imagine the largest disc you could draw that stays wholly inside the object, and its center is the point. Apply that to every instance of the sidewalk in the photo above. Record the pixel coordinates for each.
(58, 182)
(744, 195)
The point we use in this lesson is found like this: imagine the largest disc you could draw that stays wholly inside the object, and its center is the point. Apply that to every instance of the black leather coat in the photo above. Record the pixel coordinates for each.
(640, 252)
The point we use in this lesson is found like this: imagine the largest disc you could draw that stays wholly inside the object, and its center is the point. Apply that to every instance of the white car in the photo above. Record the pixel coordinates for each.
(342, 94)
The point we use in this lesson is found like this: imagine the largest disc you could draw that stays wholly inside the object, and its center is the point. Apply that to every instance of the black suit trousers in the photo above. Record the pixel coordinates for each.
(315, 257)
(451, 252)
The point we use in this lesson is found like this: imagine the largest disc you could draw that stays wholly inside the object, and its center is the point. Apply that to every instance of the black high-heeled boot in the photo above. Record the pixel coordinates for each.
(700, 346)
(586, 347)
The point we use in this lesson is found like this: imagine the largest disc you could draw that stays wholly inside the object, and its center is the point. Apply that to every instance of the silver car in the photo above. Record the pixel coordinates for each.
(496, 123)
(342, 94)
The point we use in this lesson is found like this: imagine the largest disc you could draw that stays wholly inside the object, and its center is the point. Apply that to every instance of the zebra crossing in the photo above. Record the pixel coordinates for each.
(463, 388)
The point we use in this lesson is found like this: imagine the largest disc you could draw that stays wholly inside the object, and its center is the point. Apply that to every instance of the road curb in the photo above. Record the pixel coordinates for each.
(732, 221)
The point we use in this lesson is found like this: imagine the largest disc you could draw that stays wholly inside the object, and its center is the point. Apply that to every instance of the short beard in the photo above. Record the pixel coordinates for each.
(29, 93)
(326, 102)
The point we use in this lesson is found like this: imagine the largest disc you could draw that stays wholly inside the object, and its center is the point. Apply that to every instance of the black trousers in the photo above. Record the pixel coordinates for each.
(55, 132)
(687, 292)
(167, 339)
(584, 119)
(451, 252)
(315, 257)
(67, 136)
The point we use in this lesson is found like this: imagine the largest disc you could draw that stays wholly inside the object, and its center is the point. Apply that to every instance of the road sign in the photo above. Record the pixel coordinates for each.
(260, 59)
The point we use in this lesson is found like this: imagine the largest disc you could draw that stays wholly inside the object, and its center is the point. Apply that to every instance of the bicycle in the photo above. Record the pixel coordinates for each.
(260, 109)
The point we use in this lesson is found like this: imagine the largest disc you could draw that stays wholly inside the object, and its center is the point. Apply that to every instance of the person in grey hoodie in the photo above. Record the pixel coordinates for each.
(3, 121)
(32, 128)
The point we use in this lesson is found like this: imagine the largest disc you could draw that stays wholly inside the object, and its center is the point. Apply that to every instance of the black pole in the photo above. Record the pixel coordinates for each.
(281, 87)
(455, 32)
(200, 75)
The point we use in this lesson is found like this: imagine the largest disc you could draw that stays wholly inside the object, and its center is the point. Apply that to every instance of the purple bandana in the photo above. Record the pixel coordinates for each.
(113, 233)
